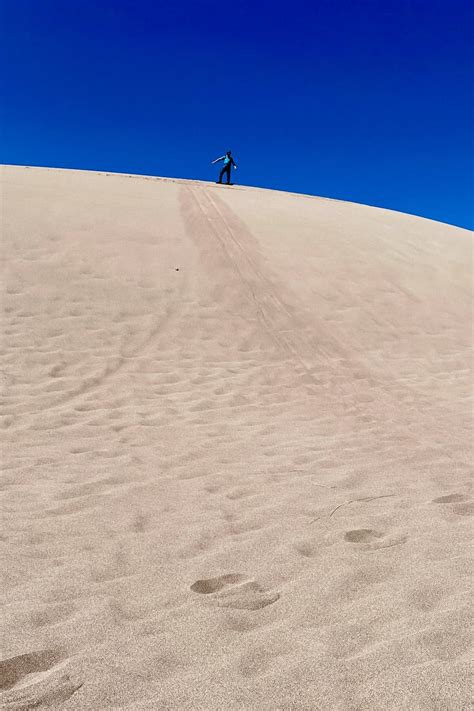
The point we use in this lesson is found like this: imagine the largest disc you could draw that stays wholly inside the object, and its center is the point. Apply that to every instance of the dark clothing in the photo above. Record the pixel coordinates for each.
(225, 170)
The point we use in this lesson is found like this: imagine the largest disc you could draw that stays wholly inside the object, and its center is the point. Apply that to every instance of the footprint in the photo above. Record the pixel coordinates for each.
(236, 591)
(466, 509)
(239, 493)
(373, 540)
(212, 585)
(362, 535)
(249, 596)
(38, 679)
(14, 669)
(308, 549)
(449, 499)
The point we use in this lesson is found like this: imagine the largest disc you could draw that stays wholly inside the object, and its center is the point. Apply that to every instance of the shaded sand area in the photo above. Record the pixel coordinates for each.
(236, 450)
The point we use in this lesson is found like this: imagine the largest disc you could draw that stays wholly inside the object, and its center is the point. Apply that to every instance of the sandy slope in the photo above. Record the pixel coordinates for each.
(243, 484)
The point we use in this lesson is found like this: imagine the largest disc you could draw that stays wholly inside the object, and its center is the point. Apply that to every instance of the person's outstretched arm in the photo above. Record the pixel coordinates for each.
(217, 160)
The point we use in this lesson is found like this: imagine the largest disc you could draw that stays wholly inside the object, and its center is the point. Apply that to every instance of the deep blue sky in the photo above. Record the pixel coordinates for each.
(363, 100)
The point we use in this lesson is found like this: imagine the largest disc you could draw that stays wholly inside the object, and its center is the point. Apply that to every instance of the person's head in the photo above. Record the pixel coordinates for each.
(228, 153)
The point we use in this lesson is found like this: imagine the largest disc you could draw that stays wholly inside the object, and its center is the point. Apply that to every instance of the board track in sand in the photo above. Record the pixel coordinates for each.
(236, 449)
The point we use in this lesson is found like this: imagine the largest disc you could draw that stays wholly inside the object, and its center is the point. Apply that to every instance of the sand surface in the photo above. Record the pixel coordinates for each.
(236, 450)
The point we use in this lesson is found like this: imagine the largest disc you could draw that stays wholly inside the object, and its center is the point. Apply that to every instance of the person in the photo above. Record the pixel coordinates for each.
(228, 163)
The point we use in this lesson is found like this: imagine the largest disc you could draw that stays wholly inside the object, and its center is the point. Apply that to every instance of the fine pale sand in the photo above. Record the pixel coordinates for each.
(236, 450)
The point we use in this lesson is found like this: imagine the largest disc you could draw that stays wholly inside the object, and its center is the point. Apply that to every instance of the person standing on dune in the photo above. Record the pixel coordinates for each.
(228, 163)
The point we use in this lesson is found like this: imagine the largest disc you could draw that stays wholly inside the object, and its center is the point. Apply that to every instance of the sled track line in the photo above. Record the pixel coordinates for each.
(240, 262)
(298, 344)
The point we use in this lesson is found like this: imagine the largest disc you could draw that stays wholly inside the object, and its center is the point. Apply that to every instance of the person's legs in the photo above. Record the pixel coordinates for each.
(222, 173)
(228, 167)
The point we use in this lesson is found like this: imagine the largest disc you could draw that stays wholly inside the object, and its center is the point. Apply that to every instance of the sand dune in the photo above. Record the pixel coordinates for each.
(236, 458)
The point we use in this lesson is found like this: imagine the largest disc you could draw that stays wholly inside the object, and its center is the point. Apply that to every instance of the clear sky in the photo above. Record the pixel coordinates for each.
(362, 100)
